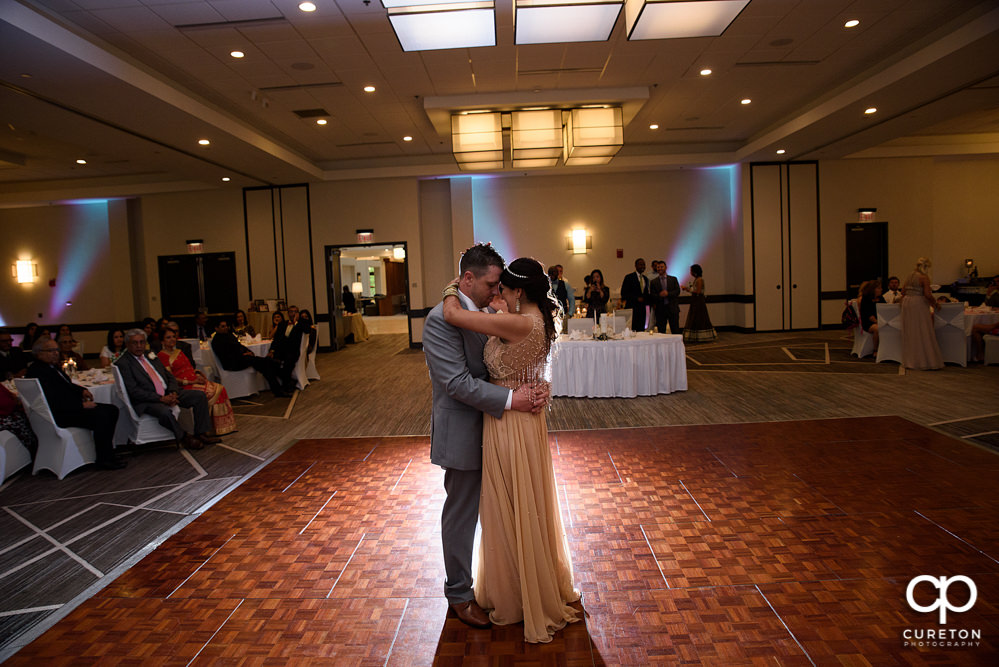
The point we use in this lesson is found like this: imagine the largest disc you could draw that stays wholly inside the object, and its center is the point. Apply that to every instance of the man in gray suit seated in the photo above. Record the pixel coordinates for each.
(461, 393)
(153, 390)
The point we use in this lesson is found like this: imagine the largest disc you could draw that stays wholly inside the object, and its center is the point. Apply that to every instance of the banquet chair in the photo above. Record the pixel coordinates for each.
(863, 342)
(13, 455)
(889, 332)
(61, 450)
(241, 383)
(310, 367)
(948, 322)
(991, 349)
(134, 428)
(299, 373)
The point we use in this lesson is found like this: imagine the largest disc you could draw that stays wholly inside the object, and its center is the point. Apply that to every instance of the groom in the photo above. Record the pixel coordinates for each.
(461, 393)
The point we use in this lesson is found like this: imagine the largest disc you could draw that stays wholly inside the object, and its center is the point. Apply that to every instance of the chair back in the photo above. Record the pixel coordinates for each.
(863, 342)
(60, 450)
(889, 332)
(33, 399)
(948, 325)
(119, 385)
(299, 373)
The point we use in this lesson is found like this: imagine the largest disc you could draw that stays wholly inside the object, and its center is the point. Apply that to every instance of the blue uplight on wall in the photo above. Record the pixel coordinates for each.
(84, 246)
(706, 222)
(490, 221)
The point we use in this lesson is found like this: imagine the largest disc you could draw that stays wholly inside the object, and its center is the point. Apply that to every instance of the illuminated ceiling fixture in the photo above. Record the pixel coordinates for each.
(555, 21)
(307, 6)
(536, 138)
(592, 135)
(477, 140)
(399, 252)
(237, 54)
(427, 25)
(669, 19)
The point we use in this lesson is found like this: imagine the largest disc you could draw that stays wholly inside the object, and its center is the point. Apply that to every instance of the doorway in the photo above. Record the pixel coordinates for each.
(866, 254)
(376, 276)
(192, 283)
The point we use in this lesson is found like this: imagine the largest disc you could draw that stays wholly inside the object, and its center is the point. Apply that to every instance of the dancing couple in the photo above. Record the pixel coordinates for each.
(487, 344)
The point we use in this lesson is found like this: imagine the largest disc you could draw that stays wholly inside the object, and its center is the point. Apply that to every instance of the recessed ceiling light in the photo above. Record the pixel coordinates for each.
(25, 75)
(81, 162)
(852, 23)
(204, 142)
(654, 126)
(870, 110)
(705, 72)
(781, 151)
(307, 6)
(236, 54)
(321, 121)
(226, 179)
(746, 101)
(369, 89)
(407, 138)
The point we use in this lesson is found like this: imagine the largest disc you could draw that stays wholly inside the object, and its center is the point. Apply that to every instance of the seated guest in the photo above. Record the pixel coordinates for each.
(114, 349)
(286, 347)
(201, 330)
(73, 405)
(152, 337)
(64, 330)
(66, 345)
(349, 302)
(177, 363)
(241, 326)
(277, 321)
(182, 345)
(308, 328)
(235, 357)
(154, 391)
(13, 361)
(868, 299)
(992, 293)
(894, 293)
(13, 419)
(31, 334)
(978, 333)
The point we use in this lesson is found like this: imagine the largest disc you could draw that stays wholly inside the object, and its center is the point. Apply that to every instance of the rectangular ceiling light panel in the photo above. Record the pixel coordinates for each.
(593, 134)
(557, 21)
(536, 135)
(673, 19)
(422, 26)
(477, 138)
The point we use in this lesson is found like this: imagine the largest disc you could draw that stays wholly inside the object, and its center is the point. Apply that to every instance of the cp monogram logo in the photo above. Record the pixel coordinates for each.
(943, 602)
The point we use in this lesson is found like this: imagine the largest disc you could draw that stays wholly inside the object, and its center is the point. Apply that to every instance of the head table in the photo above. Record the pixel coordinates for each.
(644, 365)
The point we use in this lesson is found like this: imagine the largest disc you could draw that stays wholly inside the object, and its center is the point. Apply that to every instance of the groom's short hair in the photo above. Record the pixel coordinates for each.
(478, 259)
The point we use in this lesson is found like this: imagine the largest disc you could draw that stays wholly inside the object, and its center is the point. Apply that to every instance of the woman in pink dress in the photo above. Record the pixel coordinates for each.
(177, 363)
(920, 350)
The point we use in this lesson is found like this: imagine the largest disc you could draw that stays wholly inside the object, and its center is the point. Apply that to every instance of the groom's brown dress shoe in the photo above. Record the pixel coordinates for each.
(470, 613)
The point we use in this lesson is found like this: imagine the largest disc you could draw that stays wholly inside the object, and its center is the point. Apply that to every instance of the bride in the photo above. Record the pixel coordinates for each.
(524, 571)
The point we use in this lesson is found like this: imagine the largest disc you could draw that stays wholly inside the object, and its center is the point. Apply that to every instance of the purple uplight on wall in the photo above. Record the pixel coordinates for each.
(707, 219)
(84, 246)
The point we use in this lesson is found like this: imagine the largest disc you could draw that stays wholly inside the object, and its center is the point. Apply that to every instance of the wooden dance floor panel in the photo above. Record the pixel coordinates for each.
(778, 543)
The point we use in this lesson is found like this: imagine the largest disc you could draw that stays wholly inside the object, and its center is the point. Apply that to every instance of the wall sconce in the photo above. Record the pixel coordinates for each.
(593, 135)
(667, 19)
(866, 214)
(477, 140)
(422, 25)
(24, 271)
(579, 242)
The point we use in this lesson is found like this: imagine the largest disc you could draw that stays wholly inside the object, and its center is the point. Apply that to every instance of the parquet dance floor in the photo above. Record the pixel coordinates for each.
(774, 543)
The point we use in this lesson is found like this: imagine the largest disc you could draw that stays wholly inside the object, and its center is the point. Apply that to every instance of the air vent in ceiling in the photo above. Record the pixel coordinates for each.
(311, 113)
(564, 70)
(302, 86)
(368, 143)
(243, 23)
(694, 127)
(778, 63)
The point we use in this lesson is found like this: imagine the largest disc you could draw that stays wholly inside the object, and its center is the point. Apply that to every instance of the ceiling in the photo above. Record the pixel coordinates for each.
(131, 85)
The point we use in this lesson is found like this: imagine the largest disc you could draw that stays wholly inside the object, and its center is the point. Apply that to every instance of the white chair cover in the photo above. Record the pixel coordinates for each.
(61, 450)
(13, 455)
(310, 369)
(991, 349)
(241, 383)
(863, 342)
(300, 374)
(889, 332)
(948, 321)
(137, 429)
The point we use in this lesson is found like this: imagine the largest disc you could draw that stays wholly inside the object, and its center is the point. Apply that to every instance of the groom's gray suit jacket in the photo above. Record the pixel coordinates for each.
(461, 393)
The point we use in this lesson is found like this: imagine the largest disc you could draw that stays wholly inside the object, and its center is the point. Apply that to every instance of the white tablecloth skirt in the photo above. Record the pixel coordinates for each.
(643, 366)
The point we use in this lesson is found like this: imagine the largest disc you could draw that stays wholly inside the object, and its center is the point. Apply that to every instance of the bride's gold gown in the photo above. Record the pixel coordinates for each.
(524, 572)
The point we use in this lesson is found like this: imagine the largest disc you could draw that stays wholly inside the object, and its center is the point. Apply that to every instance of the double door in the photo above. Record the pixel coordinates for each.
(785, 217)
(191, 283)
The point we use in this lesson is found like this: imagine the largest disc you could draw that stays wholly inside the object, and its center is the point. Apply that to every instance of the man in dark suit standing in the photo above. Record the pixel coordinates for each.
(233, 356)
(73, 405)
(286, 348)
(154, 391)
(635, 292)
(665, 296)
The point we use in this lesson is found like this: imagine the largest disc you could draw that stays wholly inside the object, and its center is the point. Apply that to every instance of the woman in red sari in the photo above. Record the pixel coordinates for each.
(218, 400)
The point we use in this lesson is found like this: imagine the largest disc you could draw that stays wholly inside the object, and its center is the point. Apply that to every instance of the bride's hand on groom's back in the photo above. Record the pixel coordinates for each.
(531, 397)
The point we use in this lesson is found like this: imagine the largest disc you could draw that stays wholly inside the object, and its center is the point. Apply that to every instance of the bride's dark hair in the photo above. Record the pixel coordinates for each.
(529, 275)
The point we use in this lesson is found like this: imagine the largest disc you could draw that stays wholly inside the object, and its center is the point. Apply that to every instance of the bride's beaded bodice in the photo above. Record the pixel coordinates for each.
(513, 364)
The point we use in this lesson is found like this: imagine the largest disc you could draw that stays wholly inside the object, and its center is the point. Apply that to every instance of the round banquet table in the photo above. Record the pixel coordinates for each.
(204, 358)
(645, 365)
(972, 317)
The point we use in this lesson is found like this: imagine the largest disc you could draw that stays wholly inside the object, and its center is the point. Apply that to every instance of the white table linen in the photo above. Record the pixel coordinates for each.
(645, 365)
(204, 358)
